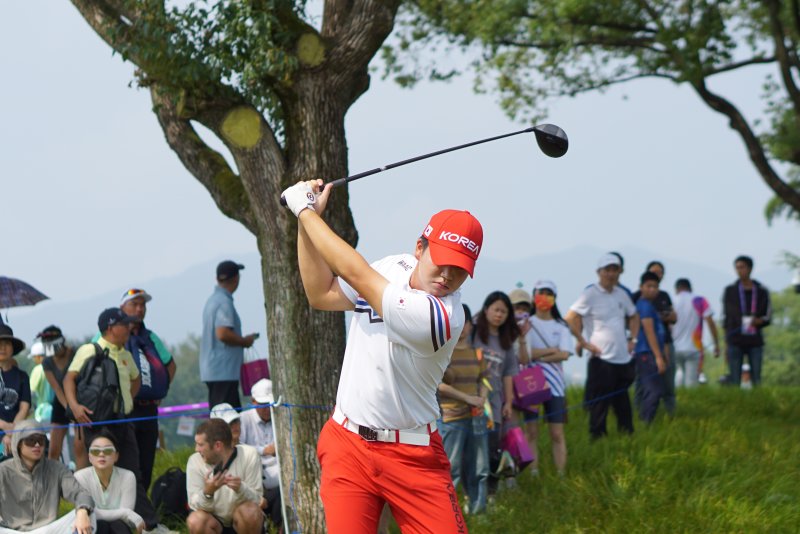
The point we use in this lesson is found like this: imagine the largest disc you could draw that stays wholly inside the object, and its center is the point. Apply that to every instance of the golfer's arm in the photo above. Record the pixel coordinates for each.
(338, 257)
(322, 289)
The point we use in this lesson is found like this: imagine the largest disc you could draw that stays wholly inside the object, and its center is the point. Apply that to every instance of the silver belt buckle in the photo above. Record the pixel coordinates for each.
(367, 433)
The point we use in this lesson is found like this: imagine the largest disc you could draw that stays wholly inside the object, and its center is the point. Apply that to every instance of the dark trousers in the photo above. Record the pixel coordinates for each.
(650, 383)
(755, 356)
(125, 437)
(112, 527)
(274, 510)
(668, 379)
(146, 432)
(607, 386)
(223, 391)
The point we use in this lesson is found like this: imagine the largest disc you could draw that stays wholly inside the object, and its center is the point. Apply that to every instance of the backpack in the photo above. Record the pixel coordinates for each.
(169, 493)
(97, 387)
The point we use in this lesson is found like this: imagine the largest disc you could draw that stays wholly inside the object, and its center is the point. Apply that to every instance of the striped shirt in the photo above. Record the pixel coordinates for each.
(549, 334)
(464, 373)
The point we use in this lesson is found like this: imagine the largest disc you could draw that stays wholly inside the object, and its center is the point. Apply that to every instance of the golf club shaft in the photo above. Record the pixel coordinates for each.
(342, 181)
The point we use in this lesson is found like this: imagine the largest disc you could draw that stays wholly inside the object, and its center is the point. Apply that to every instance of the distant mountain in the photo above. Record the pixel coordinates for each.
(177, 305)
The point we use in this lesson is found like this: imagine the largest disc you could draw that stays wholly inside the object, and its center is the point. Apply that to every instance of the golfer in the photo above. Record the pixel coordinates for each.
(382, 445)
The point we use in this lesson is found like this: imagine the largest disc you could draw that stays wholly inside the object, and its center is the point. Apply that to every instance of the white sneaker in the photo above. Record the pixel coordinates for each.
(701, 378)
(161, 529)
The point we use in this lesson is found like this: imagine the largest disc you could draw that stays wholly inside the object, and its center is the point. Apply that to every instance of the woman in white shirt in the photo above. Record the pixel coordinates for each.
(112, 488)
(549, 343)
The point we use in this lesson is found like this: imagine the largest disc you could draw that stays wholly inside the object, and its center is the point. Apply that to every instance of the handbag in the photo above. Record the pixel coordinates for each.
(530, 388)
(517, 446)
(254, 368)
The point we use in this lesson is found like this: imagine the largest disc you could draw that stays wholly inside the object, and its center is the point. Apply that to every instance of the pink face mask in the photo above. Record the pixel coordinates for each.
(544, 302)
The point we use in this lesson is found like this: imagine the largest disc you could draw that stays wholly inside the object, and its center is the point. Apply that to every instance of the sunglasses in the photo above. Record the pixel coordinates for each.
(33, 441)
(105, 451)
(132, 292)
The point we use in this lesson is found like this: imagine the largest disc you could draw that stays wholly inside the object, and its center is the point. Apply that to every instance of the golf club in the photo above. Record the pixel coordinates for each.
(551, 139)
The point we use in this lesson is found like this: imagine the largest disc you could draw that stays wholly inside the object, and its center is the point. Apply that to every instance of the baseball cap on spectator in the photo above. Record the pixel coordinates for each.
(608, 259)
(135, 293)
(224, 411)
(519, 296)
(52, 339)
(262, 391)
(228, 269)
(545, 284)
(37, 349)
(111, 316)
(7, 333)
(455, 238)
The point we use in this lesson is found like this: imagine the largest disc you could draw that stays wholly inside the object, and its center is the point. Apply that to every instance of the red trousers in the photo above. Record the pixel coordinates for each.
(359, 476)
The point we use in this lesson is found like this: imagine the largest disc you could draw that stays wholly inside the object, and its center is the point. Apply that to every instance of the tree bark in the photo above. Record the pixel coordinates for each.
(306, 346)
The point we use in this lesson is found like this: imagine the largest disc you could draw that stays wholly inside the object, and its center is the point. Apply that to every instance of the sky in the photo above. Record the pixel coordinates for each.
(94, 199)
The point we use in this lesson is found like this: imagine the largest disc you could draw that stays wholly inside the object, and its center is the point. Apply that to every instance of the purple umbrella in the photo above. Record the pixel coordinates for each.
(15, 293)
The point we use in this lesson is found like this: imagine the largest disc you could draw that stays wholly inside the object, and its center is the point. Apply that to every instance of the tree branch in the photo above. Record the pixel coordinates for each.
(616, 81)
(739, 64)
(205, 164)
(773, 6)
(595, 41)
(754, 147)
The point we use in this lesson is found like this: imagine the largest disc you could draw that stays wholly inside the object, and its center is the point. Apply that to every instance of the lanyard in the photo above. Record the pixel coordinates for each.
(752, 302)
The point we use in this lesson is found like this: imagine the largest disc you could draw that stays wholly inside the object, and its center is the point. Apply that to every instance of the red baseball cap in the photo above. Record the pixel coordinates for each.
(455, 238)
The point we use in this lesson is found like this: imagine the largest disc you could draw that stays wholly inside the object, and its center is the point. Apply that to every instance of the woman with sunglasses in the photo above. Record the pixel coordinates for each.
(112, 488)
(550, 343)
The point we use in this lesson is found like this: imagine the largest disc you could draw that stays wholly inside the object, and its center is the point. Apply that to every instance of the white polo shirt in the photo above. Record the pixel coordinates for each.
(604, 314)
(393, 364)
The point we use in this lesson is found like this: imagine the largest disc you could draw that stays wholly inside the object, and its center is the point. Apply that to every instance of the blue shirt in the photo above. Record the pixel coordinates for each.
(648, 311)
(220, 362)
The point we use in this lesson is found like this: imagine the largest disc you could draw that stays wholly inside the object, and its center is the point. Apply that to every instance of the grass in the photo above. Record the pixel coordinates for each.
(729, 461)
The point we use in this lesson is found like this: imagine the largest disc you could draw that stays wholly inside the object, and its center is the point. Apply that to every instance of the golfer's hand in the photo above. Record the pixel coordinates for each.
(82, 413)
(322, 192)
(82, 525)
(299, 197)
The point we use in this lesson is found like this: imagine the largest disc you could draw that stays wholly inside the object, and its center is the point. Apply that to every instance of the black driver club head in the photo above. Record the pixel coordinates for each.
(551, 139)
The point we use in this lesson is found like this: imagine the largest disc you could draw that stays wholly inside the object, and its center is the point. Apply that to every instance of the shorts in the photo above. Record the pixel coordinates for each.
(59, 415)
(225, 530)
(555, 411)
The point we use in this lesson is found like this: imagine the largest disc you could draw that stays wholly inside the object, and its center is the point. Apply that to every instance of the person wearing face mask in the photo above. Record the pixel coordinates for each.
(550, 343)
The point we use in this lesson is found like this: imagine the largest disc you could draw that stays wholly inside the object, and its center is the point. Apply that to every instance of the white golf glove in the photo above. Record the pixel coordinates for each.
(299, 197)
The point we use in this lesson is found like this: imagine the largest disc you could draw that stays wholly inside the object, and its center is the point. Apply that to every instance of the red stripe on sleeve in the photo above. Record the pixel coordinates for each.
(446, 318)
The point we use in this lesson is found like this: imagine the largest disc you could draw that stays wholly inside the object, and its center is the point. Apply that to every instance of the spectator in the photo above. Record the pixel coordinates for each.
(15, 387)
(649, 352)
(462, 395)
(521, 301)
(687, 332)
(56, 364)
(41, 392)
(156, 368)
(747, 310)
(257, 431)
(663, 306)
(114, 326)
(223, 483)
(112, 488)
(230, 415)
(33, 485)
(550, 342)
(602, 309)
(495, 333)
(222, 345)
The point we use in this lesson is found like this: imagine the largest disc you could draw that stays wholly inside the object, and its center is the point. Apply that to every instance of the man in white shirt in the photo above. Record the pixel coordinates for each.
(602, 310)
(257, 431)
(687, 332)
(223, 483)
(381, 445)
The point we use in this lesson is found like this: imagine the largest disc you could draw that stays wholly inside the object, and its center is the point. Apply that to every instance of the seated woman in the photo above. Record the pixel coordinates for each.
(112, 488)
